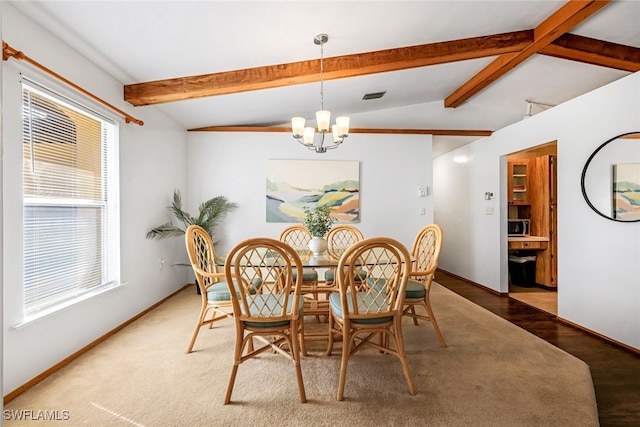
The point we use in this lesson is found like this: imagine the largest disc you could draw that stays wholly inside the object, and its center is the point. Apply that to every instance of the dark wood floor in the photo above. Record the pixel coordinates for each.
(615, 371)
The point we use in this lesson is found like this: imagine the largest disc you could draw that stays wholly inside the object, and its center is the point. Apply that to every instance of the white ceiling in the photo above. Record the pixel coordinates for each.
(139, 41)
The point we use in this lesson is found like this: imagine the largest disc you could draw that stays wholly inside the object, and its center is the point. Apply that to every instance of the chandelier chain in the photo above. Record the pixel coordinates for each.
(322, 75)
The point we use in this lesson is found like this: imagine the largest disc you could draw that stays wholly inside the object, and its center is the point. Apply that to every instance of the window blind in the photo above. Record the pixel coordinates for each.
(70, 223)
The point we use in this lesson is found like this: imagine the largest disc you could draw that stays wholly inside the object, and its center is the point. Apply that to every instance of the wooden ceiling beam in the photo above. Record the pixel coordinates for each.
(568, 16)
(595, 52)
(445, 132)
(273, 76)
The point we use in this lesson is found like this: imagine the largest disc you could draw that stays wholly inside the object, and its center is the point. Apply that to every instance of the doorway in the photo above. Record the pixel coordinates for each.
(532, 250)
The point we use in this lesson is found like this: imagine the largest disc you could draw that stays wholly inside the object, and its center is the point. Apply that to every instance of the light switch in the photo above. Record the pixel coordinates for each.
(488, 210)
(423, 210)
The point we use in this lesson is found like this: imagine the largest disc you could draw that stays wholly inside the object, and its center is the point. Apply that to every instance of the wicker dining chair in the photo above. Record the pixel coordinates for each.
(365, 310)
(216, 299)
(339, 238)
(298, 237)
(426, 251)
(274, 315)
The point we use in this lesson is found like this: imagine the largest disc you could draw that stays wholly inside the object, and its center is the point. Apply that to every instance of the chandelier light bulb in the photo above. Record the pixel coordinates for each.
(336, 135)
(343, 126)
(323, 117)
(297, 126)
(308, 135)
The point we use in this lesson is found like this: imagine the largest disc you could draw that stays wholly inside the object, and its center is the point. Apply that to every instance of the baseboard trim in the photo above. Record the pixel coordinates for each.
(605, 338)
(18, 391)
(464, 279)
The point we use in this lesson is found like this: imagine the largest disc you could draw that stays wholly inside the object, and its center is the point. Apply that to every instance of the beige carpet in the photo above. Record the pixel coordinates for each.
(492, 374)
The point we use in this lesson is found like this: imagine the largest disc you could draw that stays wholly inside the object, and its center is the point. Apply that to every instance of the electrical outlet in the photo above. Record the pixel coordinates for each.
(423, 191)
(488, 210)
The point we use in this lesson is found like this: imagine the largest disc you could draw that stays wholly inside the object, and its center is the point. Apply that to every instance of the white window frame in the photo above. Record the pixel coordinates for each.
(108, 220)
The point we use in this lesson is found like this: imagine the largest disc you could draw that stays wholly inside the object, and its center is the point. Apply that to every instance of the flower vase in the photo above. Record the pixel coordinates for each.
(318, 245)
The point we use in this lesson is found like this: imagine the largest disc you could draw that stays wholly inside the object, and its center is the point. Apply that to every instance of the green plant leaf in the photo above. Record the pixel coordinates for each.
(176, 209)
(163, 231)
(318, 220)
(210, 214)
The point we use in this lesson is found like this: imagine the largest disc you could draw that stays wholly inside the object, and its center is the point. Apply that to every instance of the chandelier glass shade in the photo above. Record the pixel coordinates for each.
(307, 135)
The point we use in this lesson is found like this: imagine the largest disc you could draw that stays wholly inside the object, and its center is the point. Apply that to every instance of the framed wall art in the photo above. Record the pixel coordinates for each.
(626, 191)
(293, 185)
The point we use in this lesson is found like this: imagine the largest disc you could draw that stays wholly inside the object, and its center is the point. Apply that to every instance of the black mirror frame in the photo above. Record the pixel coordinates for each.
(584, 172)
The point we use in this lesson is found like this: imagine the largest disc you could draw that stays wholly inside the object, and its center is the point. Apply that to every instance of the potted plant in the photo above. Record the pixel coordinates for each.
(210, 213)
(318, 221)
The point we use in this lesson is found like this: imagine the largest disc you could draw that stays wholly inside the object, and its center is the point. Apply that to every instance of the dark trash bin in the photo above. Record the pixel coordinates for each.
(522, 270)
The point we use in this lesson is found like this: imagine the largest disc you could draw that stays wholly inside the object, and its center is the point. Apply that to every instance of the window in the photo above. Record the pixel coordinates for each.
(71, 223)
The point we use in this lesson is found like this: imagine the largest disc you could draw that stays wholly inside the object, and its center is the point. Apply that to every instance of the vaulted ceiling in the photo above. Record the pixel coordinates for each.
(456, 69)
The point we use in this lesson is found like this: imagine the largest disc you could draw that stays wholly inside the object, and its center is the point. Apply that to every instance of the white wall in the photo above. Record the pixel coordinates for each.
(152, 164)
(392, 168)
(598, 285)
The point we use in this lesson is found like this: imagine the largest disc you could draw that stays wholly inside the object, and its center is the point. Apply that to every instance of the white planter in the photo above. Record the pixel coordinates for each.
(318, 245)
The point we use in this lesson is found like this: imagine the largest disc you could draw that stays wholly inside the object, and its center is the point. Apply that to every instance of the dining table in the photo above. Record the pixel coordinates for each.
(315, 294)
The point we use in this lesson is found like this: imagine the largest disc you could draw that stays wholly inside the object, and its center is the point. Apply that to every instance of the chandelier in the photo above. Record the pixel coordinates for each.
(306, 135)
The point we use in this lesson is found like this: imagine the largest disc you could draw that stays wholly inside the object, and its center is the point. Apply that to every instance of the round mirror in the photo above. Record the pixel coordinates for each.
(611, 178)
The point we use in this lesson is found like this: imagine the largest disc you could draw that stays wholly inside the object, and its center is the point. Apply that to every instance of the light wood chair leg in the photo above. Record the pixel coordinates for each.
(295, 355)
(300, 337)
(237, 360)
(400, 351)
(346, 350)
(232, 380)
(330, 338)
(193, 340)
(434, 322)
(195, 332)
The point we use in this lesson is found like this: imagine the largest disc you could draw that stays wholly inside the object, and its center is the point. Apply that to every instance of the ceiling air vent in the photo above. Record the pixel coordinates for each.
(374, 95)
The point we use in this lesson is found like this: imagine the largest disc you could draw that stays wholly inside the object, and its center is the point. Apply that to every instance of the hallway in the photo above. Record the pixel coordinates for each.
(543, 299)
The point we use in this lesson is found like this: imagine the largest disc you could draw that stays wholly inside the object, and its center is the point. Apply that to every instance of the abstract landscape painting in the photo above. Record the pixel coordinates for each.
(293, 185)
(626, 191)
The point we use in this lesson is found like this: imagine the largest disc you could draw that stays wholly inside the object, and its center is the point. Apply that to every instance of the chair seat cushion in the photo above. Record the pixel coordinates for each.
(415, 289)
(308, 275)
(330, 274)
(362, 298)
(265, 304)
(220, 291)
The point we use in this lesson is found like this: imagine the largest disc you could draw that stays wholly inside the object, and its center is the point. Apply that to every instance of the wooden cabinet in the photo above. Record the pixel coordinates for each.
(542, 198)
(518, 177)
(530, 245)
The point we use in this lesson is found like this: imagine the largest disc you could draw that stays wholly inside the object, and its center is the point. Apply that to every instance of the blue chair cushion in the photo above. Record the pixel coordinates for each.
(377, 283)
(415, 290)
(362, 297)
(267, 302)
(308, 275)
(330, 274)
(220, 291)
